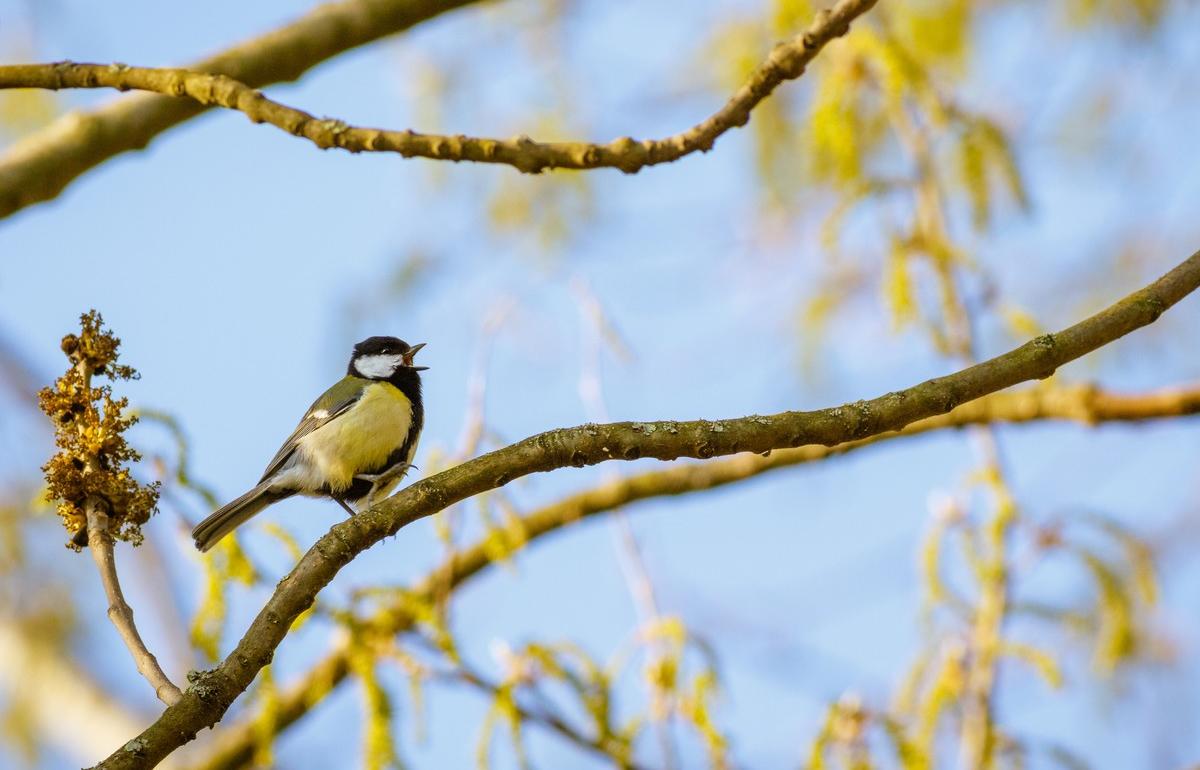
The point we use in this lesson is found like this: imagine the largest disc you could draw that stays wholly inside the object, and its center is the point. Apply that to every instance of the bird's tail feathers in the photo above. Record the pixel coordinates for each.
(233, 514)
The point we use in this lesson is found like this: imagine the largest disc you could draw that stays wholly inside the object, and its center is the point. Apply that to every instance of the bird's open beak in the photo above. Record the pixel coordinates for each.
(408, 357)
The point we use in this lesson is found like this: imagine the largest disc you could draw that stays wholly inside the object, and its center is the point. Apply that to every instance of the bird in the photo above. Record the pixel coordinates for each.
(354, 444)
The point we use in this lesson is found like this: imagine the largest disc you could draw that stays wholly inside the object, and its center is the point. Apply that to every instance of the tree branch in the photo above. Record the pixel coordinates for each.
(100, 542)
(119, 612)
(67, 707)
(41, 165)
(786, 62)
(212, 692)
(552, 722)
(1082, 403)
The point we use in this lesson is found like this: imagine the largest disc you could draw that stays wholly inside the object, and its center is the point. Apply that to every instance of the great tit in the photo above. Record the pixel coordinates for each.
(354, 444)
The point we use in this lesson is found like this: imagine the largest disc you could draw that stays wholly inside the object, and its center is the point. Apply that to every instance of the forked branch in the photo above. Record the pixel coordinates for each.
(1080, 403)
(212, 692)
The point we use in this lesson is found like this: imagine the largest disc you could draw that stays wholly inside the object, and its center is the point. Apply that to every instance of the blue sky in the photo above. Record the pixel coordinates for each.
(227, 255)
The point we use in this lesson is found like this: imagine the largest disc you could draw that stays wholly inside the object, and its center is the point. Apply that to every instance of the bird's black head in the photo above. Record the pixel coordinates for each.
(382, 358)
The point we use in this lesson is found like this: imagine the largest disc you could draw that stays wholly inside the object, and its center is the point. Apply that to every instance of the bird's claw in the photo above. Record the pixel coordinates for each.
(397, 470)
(382, 480)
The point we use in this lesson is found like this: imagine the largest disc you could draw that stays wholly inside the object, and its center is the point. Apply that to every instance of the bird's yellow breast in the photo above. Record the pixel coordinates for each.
(360, 440)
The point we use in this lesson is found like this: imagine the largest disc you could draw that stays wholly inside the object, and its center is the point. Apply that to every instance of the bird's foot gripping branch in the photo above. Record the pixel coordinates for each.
(98, 498)
(211, 695)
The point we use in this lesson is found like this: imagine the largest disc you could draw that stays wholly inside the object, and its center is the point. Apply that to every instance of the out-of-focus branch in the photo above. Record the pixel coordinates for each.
(553, 722)
(1085, 404)
(119, 612)
(786, 61)
(18, 374)
(990, 610)
(213, 692)
(69, 709)
(41, 165)
(596, 329)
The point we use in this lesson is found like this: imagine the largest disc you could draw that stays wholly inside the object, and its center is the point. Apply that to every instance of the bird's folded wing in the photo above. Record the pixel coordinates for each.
(332, 404)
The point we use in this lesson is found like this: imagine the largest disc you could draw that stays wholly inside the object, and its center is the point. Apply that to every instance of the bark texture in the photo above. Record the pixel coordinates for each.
(212, 692)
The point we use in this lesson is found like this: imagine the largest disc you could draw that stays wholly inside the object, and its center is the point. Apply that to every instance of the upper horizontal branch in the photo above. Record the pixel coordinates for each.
(786, 62)
(41, 165)
(211, 693)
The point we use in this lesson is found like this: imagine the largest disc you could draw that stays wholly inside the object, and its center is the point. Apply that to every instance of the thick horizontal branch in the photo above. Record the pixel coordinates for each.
(41, 165)
(212, 692)
(786, 62)
(1082, 403)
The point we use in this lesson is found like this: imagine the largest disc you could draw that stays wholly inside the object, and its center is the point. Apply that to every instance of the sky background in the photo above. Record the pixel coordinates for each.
(239, 266)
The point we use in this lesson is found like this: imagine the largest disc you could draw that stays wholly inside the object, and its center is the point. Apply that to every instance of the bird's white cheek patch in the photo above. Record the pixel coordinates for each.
(381, 365)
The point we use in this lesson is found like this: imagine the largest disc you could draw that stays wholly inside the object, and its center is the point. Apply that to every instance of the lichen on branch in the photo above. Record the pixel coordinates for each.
(89, 429)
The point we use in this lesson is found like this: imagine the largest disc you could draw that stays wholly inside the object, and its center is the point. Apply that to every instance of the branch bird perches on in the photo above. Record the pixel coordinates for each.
(212, 692)
(1087, 404)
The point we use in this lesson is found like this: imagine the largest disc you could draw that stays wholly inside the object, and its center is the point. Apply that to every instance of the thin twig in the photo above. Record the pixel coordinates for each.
(100, 542)
(119, 611)
(787, 61)
(991, 608)
(596, 329)
(474, 428)
(474, 420)
(554, 722)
